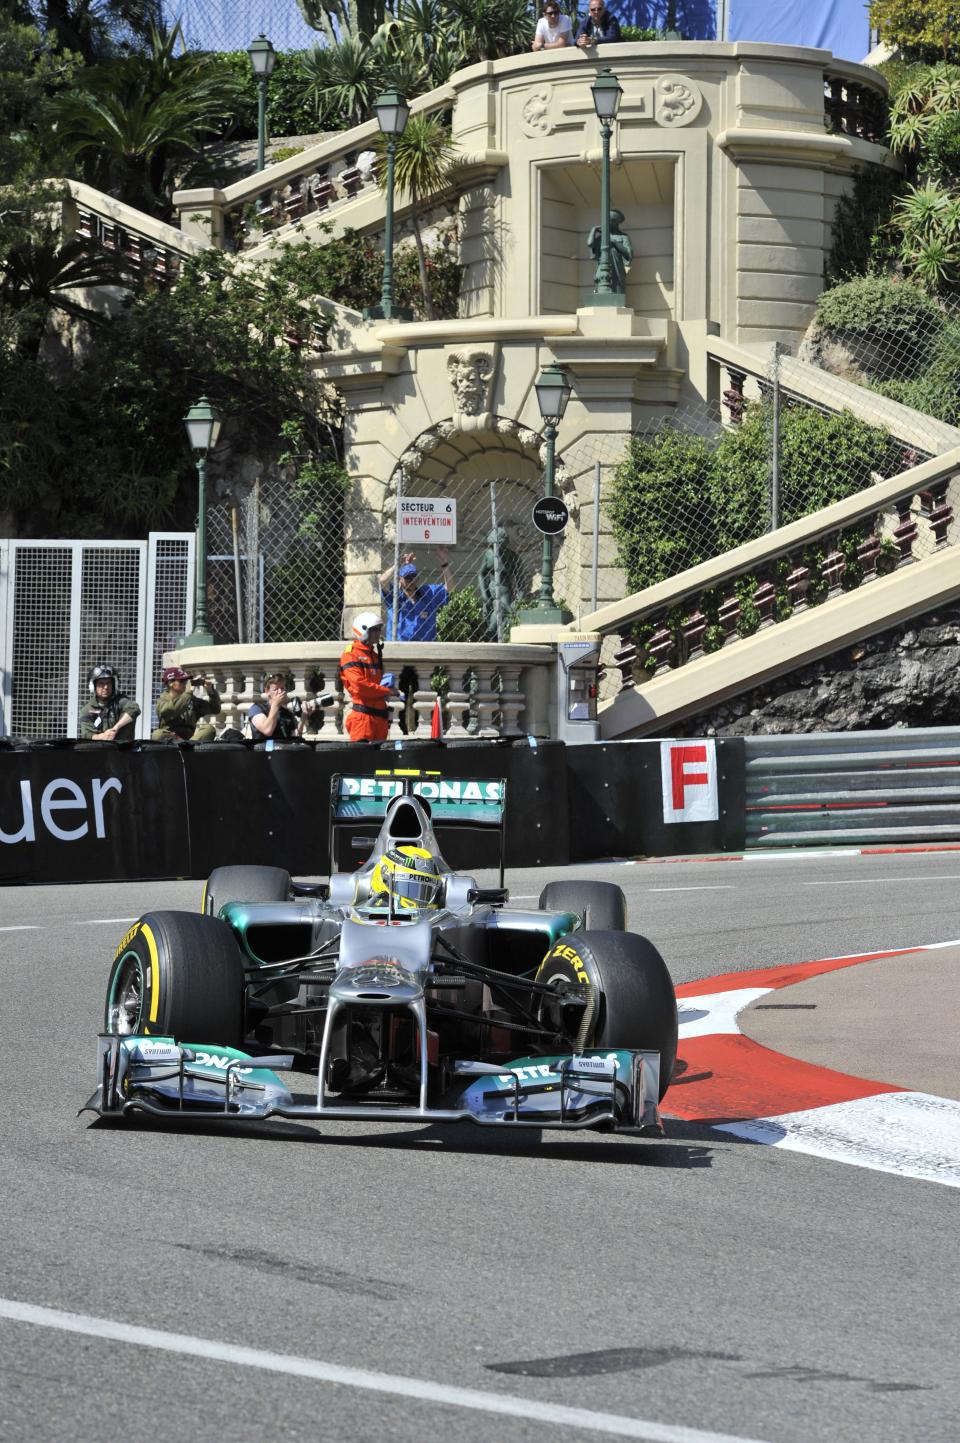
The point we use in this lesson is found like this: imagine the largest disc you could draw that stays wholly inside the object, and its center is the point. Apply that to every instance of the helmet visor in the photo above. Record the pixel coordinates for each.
(416, 888)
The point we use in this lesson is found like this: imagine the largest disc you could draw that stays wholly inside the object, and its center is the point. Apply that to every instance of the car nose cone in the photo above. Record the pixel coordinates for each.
(376, 981)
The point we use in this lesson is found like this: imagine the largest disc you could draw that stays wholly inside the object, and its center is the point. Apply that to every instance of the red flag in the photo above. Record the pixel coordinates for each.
(436, 722)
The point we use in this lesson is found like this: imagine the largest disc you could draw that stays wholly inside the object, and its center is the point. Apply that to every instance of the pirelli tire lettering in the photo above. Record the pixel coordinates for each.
(564, 952)
(630, 1000)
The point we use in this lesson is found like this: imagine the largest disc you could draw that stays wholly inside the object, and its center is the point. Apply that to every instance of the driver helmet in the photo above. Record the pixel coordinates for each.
(410, 876)
(364, 624)
(102, 672)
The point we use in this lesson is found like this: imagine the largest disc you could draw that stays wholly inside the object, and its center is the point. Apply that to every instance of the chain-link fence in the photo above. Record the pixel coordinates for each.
(873, 390)
(275, 570)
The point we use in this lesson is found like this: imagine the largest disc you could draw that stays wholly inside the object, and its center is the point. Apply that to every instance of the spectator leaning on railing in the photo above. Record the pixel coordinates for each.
(598, 27)
(554, 31)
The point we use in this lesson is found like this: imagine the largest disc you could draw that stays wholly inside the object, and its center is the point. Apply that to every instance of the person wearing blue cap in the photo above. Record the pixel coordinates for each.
(419, 602)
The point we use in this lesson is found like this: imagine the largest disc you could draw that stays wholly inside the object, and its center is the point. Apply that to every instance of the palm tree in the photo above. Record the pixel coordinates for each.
(424, 160)
(38, 274)
(343, 80)
(490, 29)
(137, 118)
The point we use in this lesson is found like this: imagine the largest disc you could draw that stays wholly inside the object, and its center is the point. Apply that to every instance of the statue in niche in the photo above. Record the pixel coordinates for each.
(621, 252)
(500, 582)
(469, 372)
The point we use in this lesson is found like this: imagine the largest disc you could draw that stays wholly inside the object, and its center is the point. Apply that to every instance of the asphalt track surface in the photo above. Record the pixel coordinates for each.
(672, 1291)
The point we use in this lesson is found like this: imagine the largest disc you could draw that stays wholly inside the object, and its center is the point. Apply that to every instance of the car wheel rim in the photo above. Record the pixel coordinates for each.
(125, 1004)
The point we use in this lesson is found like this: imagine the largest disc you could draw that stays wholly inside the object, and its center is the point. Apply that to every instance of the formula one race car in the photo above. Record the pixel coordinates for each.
(418, 995)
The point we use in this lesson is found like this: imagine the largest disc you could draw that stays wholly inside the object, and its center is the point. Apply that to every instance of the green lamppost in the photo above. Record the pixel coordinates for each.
(553, 392)
(392, 112)
(203, 428)
(263, 58)
(606, 94)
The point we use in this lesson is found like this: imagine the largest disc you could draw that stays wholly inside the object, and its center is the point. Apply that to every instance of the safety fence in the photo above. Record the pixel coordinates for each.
(862, 787)
(67, 605)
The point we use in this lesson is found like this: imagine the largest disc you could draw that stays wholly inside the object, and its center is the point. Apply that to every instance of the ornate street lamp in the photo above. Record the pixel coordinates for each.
(263, 58)
(392, 112)
(607, 95)
(553, 392)
(203, 429)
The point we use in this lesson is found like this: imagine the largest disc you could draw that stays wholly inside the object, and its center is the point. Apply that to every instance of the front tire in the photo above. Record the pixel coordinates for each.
(176, 974)
(244, 884)
(637, 1006)
(602, 905)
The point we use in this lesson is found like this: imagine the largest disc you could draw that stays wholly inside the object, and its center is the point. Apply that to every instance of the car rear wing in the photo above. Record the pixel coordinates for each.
(456, 804)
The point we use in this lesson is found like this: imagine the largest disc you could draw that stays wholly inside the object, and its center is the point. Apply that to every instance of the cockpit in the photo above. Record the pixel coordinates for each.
(403, 878)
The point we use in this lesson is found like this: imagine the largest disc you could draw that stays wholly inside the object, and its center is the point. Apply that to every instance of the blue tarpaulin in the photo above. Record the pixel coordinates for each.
(838, 25)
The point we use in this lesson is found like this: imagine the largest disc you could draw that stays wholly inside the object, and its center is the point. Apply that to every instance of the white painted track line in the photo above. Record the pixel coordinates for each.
(504, 1404)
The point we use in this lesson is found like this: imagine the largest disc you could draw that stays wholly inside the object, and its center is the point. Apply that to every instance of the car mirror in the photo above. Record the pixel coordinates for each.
(496, 896)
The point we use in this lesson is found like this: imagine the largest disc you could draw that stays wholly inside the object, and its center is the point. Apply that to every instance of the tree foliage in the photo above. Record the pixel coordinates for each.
(921, 28)
(678, 499)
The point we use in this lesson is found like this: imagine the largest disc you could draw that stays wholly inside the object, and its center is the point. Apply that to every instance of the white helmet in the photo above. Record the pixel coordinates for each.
(364, 624)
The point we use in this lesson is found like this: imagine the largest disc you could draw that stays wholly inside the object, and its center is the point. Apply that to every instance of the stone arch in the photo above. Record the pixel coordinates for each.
(458, 457)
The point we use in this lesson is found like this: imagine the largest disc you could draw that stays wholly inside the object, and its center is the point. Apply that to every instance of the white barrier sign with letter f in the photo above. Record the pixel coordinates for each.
(688, 771)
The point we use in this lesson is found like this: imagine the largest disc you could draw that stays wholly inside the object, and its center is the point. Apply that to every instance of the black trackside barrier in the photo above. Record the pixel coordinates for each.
(123, 813)
(68, 815)
(617, 804)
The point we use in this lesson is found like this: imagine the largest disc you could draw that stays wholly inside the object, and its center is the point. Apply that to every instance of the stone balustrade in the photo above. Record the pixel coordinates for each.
(150, 246)
(883, 529)
(852, 106)
(493, 691)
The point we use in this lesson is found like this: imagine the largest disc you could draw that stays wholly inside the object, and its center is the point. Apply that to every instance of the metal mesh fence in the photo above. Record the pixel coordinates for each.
(72, 604)
(40, 653)
(276, 563)
(495, 562)
(110, 628)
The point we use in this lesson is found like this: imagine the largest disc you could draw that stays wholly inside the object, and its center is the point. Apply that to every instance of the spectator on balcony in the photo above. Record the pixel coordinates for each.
(419, 602)
(108, 714)
(598, 26)
(554, 31)
(181, 712)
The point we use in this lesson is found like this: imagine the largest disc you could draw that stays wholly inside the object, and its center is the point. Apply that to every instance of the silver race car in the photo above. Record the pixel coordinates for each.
(418, 995)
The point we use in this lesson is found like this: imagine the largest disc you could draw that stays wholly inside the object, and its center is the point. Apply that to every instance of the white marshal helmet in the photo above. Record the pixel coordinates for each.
(365, 623)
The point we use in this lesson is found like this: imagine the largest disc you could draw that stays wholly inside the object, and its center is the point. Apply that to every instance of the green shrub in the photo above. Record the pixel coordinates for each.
(462, 618)
(660, 478)
(927, 30)
(639, 32)
(861, 243)
(877, 306)
(941, 160)
(288, 110)
(738, 485)
(827, 458)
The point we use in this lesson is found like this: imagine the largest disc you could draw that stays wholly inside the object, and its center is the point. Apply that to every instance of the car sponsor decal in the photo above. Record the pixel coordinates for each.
(126, 939)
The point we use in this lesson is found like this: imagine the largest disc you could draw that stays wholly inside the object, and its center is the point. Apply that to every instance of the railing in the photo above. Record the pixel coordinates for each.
(485, 690)
(266, 205)
(872, 787)
(854, 108)
(799, 381)
(877, 532)
(151, 246)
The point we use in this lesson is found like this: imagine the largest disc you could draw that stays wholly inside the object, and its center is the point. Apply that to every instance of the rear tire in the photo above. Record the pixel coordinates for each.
(180, 975)
(602, 905)
(244, 884)
(637, 1003)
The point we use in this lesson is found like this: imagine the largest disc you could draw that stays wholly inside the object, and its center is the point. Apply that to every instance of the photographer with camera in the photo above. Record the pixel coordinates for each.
(275, 715)
(181, 712)
(108, 714)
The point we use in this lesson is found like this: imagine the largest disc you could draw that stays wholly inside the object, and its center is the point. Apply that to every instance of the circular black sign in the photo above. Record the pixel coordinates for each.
(550, 515)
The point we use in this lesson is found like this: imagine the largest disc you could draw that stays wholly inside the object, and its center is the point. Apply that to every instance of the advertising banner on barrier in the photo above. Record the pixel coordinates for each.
(84, 816)
(688, 776)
